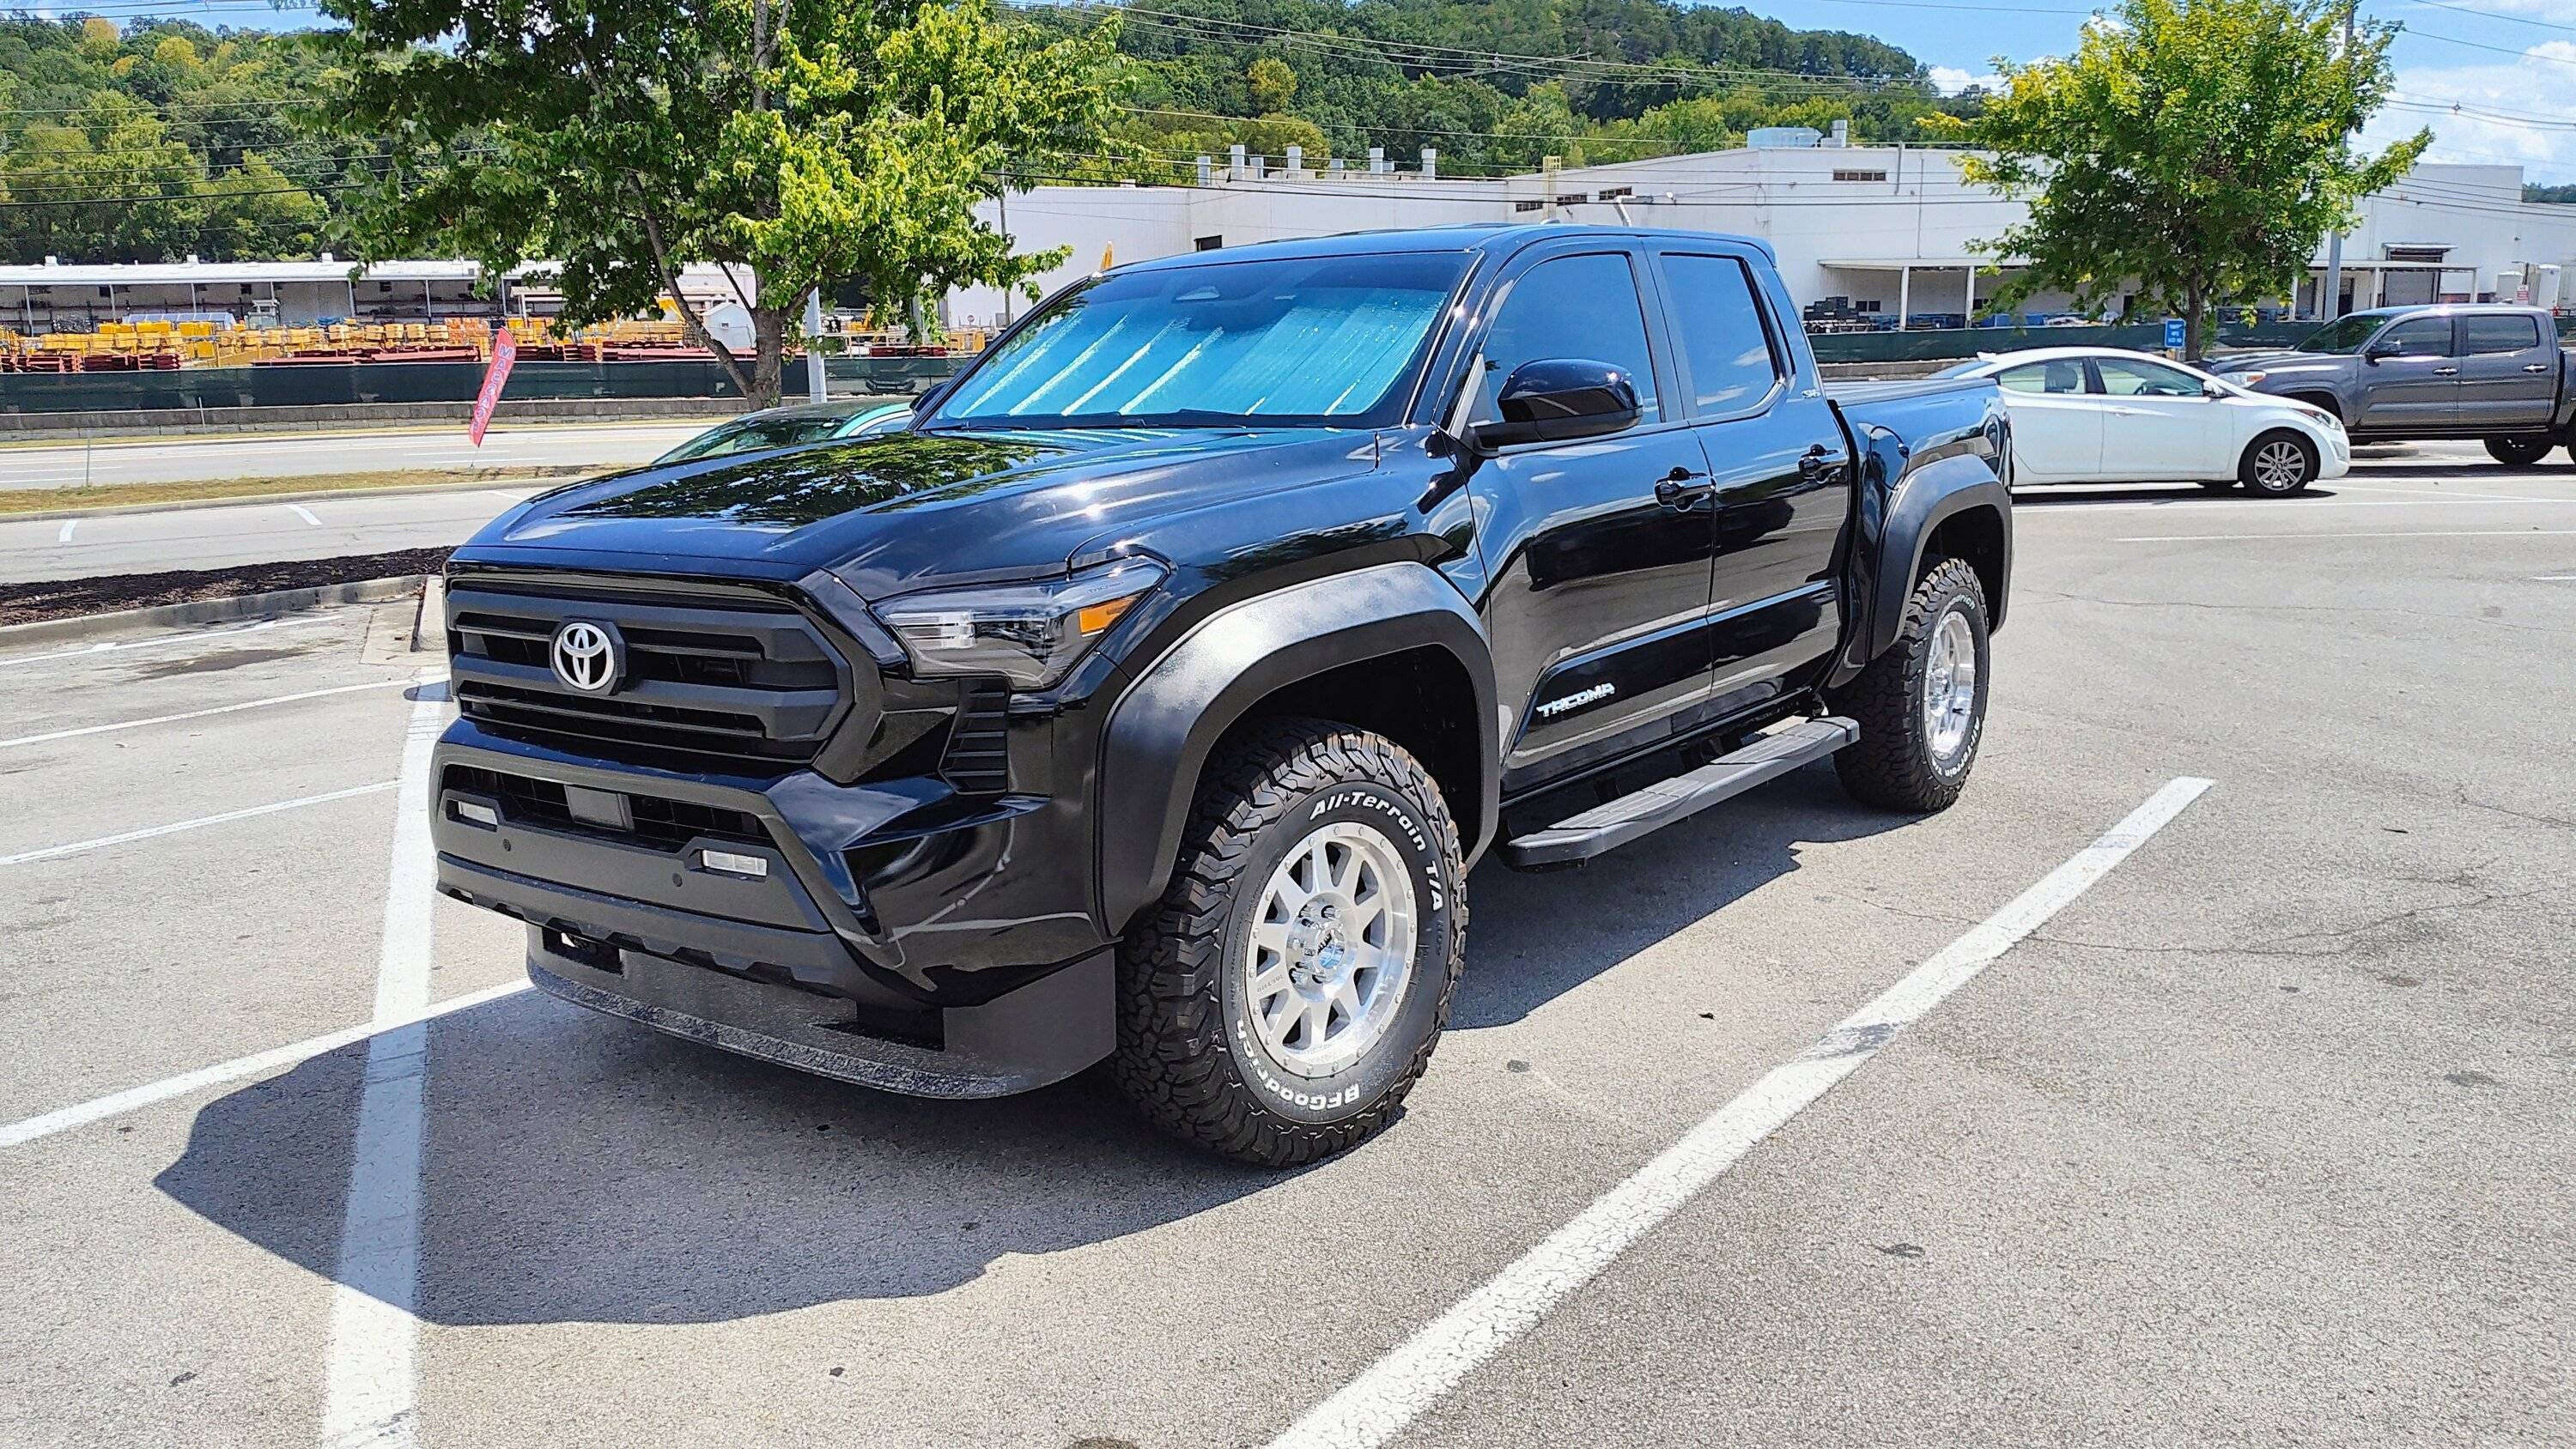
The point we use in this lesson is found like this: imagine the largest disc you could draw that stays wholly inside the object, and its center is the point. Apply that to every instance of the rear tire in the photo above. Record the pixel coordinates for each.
(1920, 725)
(1280, 1002)
(2278, 464)
(2518, 452)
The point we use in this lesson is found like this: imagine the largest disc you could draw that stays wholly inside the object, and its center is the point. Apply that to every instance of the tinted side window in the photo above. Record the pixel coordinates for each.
(2124, 378)
(1721, 336)
(2419, 337)
(2066, 375)
(1570, 307)
(2503, 334)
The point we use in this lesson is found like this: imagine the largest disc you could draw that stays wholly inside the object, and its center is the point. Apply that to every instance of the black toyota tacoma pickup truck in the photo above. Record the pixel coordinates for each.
(1148, 698)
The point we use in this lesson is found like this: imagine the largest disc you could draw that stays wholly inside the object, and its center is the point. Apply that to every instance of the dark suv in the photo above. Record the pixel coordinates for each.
(1149, 697)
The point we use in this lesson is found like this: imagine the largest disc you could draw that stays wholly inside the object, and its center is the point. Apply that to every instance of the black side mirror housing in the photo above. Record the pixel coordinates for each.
(1556, 400)
(2378, 350)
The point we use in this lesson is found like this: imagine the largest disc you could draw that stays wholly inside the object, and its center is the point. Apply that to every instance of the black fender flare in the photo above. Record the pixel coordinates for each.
(1930, 492)
(1159, 734)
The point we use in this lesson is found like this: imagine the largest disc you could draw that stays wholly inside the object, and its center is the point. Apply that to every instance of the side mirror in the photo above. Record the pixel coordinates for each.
(2214, 390)
(2378, 350)
(1556, 400)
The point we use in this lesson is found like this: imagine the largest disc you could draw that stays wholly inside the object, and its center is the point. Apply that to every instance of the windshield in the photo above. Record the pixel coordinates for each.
(2343, 336)
(755, 435)
(1311, 341)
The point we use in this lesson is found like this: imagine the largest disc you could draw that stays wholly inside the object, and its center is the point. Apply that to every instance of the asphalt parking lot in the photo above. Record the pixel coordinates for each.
(2263, 1138)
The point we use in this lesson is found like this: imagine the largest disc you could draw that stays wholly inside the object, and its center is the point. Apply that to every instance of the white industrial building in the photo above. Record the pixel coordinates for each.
(1888, 230)
(1866, 235)
(69, 296)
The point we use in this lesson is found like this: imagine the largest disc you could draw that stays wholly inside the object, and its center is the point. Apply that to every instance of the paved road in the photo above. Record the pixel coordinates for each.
(214, 537)
(190, 459)
(245, 533)
(2263, 1139)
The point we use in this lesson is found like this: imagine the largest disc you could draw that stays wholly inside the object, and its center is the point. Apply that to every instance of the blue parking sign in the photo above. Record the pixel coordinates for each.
(2173, 334)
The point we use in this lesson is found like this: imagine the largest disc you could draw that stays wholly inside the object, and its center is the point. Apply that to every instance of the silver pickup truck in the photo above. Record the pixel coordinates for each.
(2492, 372)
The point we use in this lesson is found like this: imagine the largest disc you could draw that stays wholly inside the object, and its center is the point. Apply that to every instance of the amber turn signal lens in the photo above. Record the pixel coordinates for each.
(1093, 618)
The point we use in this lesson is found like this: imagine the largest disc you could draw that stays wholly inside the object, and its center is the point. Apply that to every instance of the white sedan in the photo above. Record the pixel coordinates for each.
(2101, 415)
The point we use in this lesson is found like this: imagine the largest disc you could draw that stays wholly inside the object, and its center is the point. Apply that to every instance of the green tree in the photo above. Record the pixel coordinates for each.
(798, 143)
(2195, 148)
(1273, 84)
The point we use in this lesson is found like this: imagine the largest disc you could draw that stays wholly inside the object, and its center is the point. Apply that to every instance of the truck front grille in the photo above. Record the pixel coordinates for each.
(726, 680)
(660, 823)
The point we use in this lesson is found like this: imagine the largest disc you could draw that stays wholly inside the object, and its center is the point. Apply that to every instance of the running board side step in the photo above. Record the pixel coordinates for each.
(1604, 827)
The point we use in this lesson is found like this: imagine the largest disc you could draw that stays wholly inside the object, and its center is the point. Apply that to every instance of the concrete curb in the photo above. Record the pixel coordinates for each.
(573, 473)
(212, 611)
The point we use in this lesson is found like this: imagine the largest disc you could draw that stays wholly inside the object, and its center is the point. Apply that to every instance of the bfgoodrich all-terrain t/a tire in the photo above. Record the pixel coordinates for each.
(1280, 1001)
(1921, 704)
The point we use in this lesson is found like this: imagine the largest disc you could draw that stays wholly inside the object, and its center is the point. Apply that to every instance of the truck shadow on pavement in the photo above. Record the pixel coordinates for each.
(575, 1168)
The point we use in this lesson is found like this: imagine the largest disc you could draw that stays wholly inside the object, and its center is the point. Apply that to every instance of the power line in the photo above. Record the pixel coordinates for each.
(2497, 15)
(2516, 52)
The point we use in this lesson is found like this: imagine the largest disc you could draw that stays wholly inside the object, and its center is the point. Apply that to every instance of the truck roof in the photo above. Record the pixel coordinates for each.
(2412, 309)
(1491, 236)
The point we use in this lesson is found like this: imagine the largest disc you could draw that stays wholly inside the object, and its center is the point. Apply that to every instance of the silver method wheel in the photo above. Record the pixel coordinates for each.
(1950, 688)
(1330, 951)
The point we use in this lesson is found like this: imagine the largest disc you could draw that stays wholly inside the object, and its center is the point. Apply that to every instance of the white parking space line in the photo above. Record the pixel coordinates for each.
(2293, 533)
(305, 513)
(2027, 506)
(164, 641)
(161, 719)
(66, 535)
(117, 1104)
(154, 832)
(2554, 578)
(2341, 486)
(1418, 1373)
(370, 1378)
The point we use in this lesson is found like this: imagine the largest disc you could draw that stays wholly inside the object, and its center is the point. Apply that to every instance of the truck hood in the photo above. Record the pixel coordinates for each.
(898, 511)
(2273, 362)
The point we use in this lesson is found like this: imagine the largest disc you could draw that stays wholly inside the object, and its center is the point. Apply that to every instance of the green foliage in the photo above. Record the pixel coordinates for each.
(2195, 148)
(1493, 85)
(803, 142)
(2533, 191)
(164, 140)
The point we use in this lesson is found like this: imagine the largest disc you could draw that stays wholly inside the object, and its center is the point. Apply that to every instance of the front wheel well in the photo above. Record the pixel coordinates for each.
(2325, 400)
(1421, 698)
(1975, 537)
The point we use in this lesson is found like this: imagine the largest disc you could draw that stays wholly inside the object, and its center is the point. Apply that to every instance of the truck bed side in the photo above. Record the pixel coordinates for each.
(1934, 476)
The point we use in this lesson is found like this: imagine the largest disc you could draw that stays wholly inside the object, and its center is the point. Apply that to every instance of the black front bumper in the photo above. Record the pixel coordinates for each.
(861, 953)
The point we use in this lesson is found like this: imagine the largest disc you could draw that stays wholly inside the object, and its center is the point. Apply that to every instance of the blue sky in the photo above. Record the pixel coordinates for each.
(2495, 79)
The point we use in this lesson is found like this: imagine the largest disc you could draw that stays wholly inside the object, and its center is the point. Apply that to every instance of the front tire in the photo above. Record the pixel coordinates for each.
(1280, 1002)
(2518, 452)
(2278, 464)
(1921, 705)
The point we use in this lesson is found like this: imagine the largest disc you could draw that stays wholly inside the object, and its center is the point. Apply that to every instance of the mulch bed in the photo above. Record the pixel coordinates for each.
(64, 598)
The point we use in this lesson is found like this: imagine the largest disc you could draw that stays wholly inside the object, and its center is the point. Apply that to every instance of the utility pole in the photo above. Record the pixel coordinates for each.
(2330, 305)
(1005, 202)
(814, 344)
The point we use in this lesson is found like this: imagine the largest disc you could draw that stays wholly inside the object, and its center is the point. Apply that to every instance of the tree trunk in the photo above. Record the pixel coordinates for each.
(2195, 311)
(769, 331)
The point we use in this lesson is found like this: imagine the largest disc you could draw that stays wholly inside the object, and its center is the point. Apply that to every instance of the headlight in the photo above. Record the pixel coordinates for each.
(1030, 634)
(2247, 379)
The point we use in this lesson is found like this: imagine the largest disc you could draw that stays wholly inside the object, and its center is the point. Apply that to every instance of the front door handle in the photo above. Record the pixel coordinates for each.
(1681, 488)
(1816, 462)
(2537, 367)
(2446, 372)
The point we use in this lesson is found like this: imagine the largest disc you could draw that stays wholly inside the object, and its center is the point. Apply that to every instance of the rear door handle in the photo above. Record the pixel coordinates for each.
(1681, 488)
(2446, 372)
(1816, 462)
(2537, 367)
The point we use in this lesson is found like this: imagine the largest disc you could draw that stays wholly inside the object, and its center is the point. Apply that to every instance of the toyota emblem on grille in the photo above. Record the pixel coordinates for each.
(588, 657)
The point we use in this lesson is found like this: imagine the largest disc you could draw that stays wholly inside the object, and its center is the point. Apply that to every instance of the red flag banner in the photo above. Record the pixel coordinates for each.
(505, 351)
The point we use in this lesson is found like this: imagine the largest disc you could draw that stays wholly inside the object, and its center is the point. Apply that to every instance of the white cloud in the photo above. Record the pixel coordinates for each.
(2518, 99)
(1949, 80)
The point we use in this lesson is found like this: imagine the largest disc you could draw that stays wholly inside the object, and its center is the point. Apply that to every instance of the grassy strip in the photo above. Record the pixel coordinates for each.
(62, 598)
(199, 490)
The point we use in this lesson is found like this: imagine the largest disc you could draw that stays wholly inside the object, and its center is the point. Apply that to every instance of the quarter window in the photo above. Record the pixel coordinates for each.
(1569, 307)
(2503, 334)
(1721, 335)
